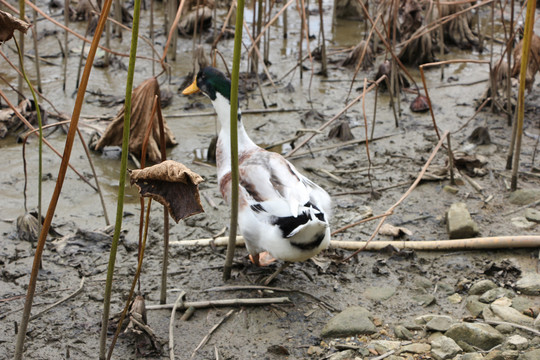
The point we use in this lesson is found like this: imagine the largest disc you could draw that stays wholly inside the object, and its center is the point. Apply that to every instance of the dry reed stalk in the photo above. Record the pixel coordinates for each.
(527, 36)
(74, 33)
(390, 211)
(59, 183)
(221, 303)
(494, 242)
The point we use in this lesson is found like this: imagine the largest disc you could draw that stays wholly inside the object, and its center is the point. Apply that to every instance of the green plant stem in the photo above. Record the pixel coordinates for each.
(529, 23)
(234, 139)
(121, 181)
(59, 183)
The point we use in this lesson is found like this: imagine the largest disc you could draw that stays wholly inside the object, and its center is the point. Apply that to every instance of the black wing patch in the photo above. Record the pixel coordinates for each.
(257, 208)
(311, 245)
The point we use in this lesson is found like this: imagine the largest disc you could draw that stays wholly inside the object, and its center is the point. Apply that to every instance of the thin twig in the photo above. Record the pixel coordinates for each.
(75, 293)
(177, 303)
(224, 302)
(268, 288)
(214, 328)
(329, 122)
(522, 327)
(390, 211)
(522, 208)
(333, 146)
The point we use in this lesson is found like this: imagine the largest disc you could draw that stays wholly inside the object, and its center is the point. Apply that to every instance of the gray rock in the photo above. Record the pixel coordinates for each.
(443, 348)
(494, 294)
(472, 356)
(529, 284)
(351, 321)
(423, 283)
(474, 306)
(424, 300)
(445, 288)
(401, 332)
(510, 354)
(459, 223)
(522, 304)
(455, 298)
(343, 355)
(440, 323)
(481, 287)
(482, 336)
(505, 328)
(384, 346)
(450, 189)
(494, 355)
(517, 342)
(488, 314)
(524, 196)
(532, 215)
(379, 293)
(423, 319)
(511, 315)
(530, 355)
(521, 222)
(416, 348)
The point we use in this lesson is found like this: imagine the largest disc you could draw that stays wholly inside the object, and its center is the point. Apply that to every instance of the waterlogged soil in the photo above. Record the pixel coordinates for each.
(384, 282)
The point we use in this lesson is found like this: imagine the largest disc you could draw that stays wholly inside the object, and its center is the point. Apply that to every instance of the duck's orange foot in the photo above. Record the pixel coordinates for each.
(262, 259)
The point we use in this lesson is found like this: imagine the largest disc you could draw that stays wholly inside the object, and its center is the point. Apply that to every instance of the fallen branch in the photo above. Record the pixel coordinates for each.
(224, 302)
(60, 301)
(495, 242)
(269, 288)
(214, 328)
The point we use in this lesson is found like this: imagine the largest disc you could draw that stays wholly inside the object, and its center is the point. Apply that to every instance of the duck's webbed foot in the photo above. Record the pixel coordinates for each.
(262, 259)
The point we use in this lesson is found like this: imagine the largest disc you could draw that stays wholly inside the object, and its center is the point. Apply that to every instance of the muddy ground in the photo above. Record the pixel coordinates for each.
(327, 285)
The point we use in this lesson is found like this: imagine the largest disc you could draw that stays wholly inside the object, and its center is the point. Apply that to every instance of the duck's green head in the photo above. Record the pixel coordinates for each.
(210, 81)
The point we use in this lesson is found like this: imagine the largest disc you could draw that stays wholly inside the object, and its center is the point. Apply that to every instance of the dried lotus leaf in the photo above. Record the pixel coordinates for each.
(8, 25)
(171, 184)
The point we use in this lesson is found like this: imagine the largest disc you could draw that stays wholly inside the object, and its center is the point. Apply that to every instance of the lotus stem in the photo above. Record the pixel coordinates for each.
(122, 180)
(234, 139)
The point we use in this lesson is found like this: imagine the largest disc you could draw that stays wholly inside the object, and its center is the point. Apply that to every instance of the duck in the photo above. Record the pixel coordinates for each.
(280, 211)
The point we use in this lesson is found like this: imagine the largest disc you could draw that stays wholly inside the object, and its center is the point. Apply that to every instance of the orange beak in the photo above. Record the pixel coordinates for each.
(191, 89)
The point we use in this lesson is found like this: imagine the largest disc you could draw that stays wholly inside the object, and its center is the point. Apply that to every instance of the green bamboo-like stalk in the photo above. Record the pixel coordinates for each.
(234, 139)
(529, 23)
(121, 181)
(21, 335)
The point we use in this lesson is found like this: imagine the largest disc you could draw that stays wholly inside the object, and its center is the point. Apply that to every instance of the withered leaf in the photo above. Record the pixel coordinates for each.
(173, 185)
(394, 231)
(533, 64)
(8, 25)
(141, 114)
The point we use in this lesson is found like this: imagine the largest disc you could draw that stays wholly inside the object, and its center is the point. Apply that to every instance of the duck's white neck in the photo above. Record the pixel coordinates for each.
(223, 110)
